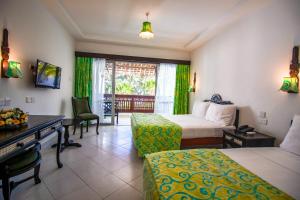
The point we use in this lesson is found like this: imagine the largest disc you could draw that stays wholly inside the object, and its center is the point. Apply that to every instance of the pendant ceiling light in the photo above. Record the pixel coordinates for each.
(146, 32)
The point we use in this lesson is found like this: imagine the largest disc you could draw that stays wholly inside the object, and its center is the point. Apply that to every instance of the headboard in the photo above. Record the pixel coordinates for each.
(217, 98)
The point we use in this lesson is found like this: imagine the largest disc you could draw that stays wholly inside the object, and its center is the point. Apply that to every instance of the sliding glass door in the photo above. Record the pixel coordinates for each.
(109, 93)
(121, 88)
(102, 90)
(135, 88)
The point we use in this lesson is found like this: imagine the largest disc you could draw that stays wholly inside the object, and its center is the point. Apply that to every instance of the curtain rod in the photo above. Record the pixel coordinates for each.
(131, 58)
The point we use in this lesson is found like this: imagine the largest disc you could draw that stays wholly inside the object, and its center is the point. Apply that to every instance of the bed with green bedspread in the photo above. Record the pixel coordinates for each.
(154, 133)
(202, 174)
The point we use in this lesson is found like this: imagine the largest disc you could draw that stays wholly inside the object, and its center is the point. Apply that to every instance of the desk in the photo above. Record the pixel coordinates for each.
(39, 127)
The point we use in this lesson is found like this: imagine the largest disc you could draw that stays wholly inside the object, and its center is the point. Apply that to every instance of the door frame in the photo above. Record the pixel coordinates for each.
(113, 83)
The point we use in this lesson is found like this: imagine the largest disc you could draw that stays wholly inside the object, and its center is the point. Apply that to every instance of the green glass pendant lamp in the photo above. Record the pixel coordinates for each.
(146, 32)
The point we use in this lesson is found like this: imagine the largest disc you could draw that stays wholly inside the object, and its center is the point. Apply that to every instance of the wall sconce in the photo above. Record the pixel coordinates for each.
(14, 70)
(291, 83)
(193, 87)
(9, 69)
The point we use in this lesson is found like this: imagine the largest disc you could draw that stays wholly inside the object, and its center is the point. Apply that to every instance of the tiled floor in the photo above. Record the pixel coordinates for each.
(105, 167)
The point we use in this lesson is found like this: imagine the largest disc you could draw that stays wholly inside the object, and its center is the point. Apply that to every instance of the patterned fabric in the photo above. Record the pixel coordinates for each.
(181, 98)
(83, 77)
(154, 133)
(202, 174)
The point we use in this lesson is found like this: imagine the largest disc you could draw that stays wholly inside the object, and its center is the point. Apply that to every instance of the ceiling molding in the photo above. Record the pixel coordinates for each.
(207, 29)
(239, 9)
(69, 18)
(99, 39)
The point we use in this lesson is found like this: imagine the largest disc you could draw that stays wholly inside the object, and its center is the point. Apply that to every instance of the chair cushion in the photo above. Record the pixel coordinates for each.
(22, 160)
(82, 106)
(88, 116)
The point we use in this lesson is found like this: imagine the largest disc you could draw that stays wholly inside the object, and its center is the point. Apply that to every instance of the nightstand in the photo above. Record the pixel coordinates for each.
(234, 139)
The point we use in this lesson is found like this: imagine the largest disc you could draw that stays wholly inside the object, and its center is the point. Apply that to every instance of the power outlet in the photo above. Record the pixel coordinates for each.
(7, 101)
(263, 121)
(262, 114)
(28, 99)
(2, 101)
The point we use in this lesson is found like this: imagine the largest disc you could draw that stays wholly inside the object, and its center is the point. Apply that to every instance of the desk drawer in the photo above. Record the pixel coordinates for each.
(227, 137)
(50, 129)
(238, 142)
(17, 145)
(232, 141)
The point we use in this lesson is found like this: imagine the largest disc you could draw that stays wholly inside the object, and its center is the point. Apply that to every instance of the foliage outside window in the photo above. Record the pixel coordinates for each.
(131, 78)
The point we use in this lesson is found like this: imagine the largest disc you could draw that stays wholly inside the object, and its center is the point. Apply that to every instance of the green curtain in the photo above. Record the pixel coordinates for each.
(181, 98)
(83, 77)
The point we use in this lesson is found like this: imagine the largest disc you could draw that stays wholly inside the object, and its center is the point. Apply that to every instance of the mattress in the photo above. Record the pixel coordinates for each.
(195, 127)
(276, 166)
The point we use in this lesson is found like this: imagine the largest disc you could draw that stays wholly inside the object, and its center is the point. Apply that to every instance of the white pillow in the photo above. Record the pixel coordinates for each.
(200, 108)
(291, 142)
(221, 114)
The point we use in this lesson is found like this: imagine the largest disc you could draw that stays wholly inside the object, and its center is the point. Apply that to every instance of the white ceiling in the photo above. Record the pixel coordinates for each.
(177, 24)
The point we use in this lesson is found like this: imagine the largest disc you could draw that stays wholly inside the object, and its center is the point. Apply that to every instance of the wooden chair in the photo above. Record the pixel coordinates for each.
(82, 112)
(20, 163)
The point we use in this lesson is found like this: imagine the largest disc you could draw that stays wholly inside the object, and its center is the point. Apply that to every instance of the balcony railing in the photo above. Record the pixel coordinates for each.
(132, 103)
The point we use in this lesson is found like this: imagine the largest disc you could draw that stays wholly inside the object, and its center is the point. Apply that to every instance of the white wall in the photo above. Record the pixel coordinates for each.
(35, 34)
(132, 50)
(246, 64)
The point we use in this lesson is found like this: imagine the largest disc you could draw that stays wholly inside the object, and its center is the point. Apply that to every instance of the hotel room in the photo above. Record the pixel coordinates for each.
(149, 99)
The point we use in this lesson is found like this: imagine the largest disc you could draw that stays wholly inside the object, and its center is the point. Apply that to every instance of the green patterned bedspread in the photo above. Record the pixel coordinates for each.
(202, 174)
(154, 133)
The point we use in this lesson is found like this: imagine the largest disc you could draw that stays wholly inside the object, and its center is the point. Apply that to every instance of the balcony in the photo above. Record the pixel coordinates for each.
(132, 103)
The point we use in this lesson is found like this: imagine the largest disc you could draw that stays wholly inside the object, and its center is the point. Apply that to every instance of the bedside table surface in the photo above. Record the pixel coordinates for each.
(257, 136)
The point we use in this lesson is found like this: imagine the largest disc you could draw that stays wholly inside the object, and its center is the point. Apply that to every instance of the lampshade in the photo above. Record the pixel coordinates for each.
(146, 32)
(290, 84)
(14, 70)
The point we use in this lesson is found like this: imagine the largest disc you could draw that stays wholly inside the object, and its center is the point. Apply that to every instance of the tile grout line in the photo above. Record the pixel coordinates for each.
(52, 195)
(85, 182)
(109, 173)
(121, 189)
(110, 136)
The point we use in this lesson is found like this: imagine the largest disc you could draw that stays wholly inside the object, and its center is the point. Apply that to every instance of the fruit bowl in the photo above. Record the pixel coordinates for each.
(12, 119)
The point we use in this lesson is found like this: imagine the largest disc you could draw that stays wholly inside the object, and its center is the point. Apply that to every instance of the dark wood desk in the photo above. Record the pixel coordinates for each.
(39, 127)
